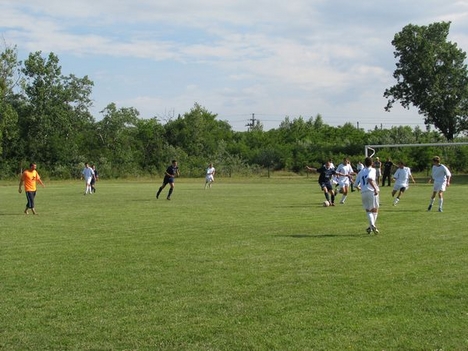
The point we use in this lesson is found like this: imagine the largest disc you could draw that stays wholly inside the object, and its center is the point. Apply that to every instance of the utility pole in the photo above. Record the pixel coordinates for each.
(251, 124)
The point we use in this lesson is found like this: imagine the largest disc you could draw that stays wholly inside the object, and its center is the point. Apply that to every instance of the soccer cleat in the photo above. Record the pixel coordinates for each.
(168, 198)
(429, 207)
(375, 230)
(157, 195)
(368, 230)
(440, 209)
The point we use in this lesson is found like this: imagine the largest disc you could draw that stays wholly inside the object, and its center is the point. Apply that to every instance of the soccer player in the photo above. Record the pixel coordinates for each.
(29, 179)
(387, 170)
(88, 175)
(441, 176)
(401, 178)
(345, 171)
(94, 179)
(169, 177)
(325, 180)
(366, 181)
(209, 178)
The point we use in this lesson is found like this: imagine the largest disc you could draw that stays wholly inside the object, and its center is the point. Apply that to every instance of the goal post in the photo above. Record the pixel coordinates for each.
(373, 147)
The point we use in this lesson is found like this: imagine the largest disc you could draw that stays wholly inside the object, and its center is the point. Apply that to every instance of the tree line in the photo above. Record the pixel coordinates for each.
(45, 118)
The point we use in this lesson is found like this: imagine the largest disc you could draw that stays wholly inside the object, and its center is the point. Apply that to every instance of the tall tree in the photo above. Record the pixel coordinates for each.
(432, 75)
(56, 110)
(10, 79)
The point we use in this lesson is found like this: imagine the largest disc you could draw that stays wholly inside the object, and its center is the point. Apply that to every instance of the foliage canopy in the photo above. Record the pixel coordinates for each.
(432, 75)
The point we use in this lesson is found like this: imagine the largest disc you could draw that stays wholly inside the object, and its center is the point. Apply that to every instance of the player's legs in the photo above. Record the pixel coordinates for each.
(171, 189)
(329, 194)
(441, 200)
(88, 185)
(370, 202)
(345, 193)
(438, 189)
(30, 196)
(161, 189)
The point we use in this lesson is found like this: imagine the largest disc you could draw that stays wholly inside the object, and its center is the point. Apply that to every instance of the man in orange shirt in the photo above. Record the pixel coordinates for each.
(29, 179)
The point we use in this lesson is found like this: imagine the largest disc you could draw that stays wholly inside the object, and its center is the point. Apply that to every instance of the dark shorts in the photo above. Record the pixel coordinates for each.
(327, 185)
(168, 180)
(30, 195)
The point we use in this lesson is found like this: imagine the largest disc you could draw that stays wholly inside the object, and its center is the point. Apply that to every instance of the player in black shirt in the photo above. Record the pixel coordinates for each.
(327, 171)
(171, 172)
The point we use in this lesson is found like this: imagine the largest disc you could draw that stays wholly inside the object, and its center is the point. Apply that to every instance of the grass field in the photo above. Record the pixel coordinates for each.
(251, 264)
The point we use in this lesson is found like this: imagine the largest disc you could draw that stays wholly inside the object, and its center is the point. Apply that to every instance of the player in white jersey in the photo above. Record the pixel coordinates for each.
(88, 175)
(441, 177)
(401, 178)
(345, 172)
(367, 183)
(209, 178)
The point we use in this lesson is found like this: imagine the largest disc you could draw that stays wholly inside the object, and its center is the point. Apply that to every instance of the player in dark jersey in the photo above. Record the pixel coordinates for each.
(171, 172)
(327, 171)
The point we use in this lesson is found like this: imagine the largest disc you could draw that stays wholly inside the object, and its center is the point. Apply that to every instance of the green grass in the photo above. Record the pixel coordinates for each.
(253, 264)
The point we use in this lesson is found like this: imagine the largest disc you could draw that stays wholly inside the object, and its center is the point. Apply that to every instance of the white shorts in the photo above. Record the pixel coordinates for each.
(209, 178)
(88, 180)
(398, 186)
(344, 182)
(440, 186)
(369, 200)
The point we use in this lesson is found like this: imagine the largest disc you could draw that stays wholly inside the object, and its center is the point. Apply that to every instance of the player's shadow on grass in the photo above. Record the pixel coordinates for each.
(318, 236)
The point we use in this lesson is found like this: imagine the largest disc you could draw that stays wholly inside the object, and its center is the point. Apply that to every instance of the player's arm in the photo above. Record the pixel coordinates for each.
(373, 185)
(20, 184)
(311, 169)
(39, 180)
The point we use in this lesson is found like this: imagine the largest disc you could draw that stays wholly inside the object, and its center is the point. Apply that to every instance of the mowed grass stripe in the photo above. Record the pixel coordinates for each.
(246, 265)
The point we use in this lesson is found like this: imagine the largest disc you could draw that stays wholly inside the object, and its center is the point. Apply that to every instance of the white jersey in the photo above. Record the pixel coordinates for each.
(347, 170)
(363, 178)
(88, 173)
(402, 176)
(440, 174)
(210, 171)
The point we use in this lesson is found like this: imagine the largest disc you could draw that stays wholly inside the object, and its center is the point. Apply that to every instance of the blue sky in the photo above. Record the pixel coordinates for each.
(233, 57)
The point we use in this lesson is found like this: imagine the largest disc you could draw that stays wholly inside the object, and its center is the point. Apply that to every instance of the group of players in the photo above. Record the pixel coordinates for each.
(367, 181)
(331, 180)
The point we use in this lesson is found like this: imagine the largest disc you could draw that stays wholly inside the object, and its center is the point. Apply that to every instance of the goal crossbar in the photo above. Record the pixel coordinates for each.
(373, 147)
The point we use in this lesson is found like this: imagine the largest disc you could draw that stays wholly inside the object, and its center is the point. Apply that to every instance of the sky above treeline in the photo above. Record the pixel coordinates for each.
(238, 59)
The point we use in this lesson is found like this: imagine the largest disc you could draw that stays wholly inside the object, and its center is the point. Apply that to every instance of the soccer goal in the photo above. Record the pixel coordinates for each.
(371, 148)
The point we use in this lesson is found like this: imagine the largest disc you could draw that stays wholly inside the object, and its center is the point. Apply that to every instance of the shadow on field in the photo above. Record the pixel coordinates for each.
(13, 214)
(318, 236)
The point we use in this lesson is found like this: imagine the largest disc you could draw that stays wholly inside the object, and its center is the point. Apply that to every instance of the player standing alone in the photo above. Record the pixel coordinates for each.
(210, 172)
(29, 178)
(441, 176)
(169, 177)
